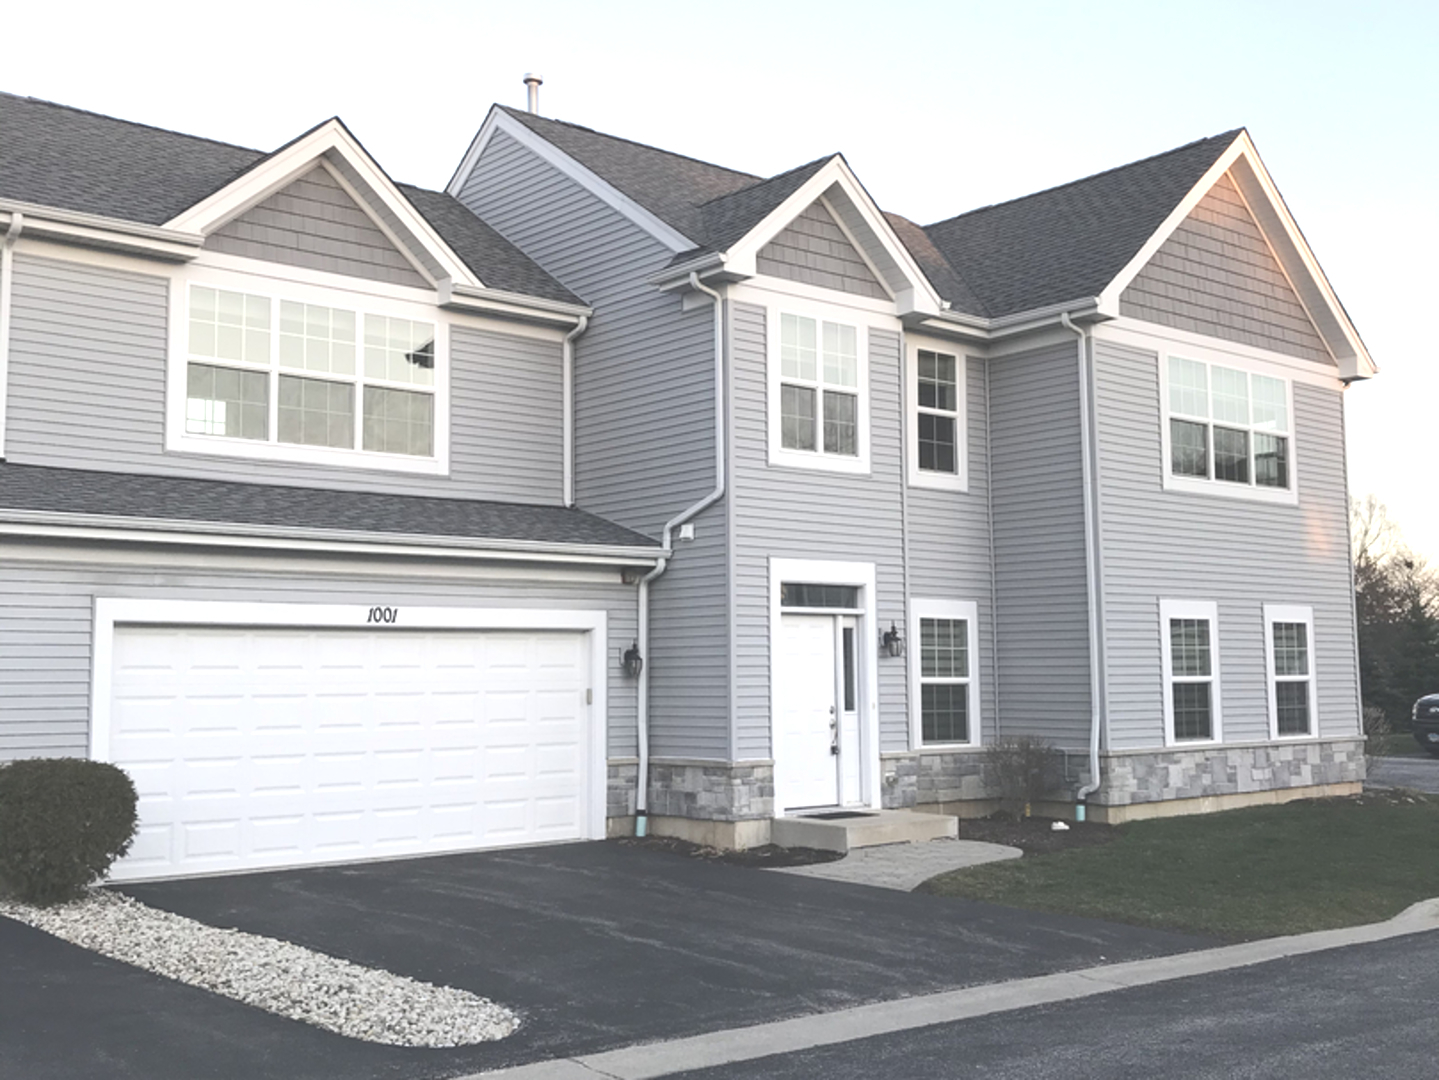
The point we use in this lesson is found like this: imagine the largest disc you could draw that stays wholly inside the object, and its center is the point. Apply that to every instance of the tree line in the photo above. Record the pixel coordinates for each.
(1396, 602)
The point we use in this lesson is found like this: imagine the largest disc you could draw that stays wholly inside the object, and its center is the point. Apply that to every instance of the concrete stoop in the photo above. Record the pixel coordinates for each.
(868, 828)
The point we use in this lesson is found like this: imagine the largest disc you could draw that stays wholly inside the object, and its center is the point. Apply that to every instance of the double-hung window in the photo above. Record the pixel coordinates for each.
(286, 377)
(1289, 657)
(1190, 657)
(936, 423)
(819, 408)
(1227, 430)
(944, 677)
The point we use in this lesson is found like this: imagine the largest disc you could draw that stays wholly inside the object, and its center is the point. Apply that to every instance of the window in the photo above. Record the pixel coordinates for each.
(819, 411)
(1289, 656)
(1190, 650)
(289, 377)
(937, 456)
(945, 696)
(1227, 430)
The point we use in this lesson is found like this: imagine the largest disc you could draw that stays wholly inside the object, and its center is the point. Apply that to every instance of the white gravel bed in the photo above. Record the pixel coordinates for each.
(285, 979)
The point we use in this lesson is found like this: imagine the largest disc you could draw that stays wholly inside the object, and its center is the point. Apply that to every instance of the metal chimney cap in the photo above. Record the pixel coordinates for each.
(533, 81)
(531, 77)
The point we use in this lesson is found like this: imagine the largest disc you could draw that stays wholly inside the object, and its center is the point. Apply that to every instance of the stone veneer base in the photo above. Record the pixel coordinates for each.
(1211, 804)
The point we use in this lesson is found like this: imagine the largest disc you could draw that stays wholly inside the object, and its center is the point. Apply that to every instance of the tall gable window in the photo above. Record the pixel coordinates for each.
(1227, 430)
(289, 378)
(819, 412)
(936, 425)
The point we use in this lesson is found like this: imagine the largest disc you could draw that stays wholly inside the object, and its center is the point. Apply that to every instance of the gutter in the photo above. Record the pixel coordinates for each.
(1091, 558)
(60, 525)
(642, 704)
(74, 227)
(567, 407)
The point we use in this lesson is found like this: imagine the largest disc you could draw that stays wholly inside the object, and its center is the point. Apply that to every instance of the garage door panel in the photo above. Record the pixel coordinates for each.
(259, 747)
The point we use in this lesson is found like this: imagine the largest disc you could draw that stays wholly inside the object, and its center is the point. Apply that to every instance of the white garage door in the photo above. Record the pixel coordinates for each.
(255, 748)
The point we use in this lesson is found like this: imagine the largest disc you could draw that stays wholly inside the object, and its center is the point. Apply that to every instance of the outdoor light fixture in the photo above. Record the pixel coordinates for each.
(632, 661)
(890, 642)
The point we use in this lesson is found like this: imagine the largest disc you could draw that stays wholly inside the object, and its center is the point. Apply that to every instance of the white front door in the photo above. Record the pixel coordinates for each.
(807, 719)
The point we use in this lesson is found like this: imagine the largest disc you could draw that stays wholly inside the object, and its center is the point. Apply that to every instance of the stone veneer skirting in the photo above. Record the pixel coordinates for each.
(699, 790)
(1177, 773)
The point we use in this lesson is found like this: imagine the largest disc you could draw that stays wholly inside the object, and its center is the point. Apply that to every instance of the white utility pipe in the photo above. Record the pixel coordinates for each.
(642, 704)
(567, 406)
(1091, 563)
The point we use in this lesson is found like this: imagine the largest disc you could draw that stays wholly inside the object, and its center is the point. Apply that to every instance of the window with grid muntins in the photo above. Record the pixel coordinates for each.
(944, 680)
(280, 371)
(1227, 425)
(819, 386)
(1191, 679)
(937, 407)
(1291, 677)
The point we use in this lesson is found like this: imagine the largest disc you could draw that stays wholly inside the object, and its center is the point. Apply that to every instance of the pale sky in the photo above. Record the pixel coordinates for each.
(938, 107)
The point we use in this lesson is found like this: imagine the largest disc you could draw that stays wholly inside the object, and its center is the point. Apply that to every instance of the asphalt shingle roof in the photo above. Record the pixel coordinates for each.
(53, 155)
(218, 502)
(1069, 242)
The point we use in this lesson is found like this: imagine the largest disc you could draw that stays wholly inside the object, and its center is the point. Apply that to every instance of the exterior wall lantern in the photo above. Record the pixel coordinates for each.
(891, 643)
(632, 662)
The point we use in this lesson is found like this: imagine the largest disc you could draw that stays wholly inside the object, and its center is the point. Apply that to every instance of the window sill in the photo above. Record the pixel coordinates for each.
(330, 457)
(939, 481)
(816, 462)
(1243, 492)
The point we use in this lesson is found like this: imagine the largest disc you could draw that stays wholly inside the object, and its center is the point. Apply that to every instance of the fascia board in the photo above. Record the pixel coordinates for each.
(742, 257)
(500, 121)
(95, 230)
(276, 171)
(45, 524)
(511, 305)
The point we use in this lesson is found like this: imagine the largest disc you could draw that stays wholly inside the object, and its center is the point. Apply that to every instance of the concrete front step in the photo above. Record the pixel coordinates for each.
(872, 828)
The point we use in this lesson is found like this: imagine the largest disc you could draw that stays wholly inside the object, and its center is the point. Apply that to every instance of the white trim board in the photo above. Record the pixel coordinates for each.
(1302, 614)
(500, 121)
(1190, 609)
(113, 612)
(862, 575)
(914, 476)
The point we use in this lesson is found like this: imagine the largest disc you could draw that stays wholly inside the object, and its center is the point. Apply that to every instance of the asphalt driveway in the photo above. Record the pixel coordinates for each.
(1419, 773)
(598, 945)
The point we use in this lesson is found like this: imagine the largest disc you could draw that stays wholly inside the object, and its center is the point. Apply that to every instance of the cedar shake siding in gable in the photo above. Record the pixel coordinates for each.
(313, 223)
(88, 357)
(644, 423)
(1236, 552)
(813, 249)
(1215, 275)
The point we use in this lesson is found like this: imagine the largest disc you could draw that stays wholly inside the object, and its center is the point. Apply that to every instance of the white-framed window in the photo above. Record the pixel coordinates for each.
(938, 451)
(1228, 429)
(944, 673)
(294, 371)
(1189, 637)
(1289, 660)
(818, 388)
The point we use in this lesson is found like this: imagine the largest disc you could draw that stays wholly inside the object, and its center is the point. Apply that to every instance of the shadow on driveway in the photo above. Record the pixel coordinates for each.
(598, 945)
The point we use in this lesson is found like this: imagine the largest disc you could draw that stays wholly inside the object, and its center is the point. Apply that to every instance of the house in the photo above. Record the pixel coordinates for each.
(358, 520)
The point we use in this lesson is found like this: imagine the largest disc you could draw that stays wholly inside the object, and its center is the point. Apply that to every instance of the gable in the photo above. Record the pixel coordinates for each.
(314, 223)
(1217, 275)
(813, 249)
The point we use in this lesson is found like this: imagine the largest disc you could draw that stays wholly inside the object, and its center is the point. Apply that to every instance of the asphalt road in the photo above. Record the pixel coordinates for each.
(1366, 1010)
(1419, 773)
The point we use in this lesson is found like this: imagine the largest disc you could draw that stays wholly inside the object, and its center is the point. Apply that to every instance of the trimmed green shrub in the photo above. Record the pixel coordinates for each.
(63, 821)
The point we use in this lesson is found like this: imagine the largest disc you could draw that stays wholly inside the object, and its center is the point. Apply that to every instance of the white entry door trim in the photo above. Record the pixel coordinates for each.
(110, 612)
(828, 572)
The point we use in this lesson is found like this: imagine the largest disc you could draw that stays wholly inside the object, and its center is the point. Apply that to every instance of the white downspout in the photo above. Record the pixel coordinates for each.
(642, 704)
(1091, 564)
(567, 407)
(7, 282)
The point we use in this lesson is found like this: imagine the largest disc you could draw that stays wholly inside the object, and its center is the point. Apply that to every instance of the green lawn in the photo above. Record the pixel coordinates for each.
(1241, 874)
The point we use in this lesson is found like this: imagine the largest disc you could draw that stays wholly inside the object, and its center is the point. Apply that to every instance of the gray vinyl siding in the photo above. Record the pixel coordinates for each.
(1216, 275)
(949, 541)
(87, 390)
(644, 422)
(1040, 573)
(46, 625)
(813, 249)
(313, 222)
(1237, 553)
(806, 514)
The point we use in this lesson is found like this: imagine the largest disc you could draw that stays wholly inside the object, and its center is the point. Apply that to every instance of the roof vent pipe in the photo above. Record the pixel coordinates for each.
(533, 82)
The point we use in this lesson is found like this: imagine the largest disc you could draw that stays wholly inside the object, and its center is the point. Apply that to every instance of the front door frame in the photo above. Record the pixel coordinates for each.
(829, 572)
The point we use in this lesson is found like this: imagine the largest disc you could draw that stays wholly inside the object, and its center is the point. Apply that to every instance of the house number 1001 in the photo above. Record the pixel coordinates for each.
(383, 614)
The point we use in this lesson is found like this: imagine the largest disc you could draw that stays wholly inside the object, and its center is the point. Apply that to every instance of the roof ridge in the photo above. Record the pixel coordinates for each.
(632, 142)
(1227, 135)
(128, 123)
(759, 182)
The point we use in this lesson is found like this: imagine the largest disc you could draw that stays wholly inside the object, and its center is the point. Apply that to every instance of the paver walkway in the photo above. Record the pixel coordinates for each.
(905, 866)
